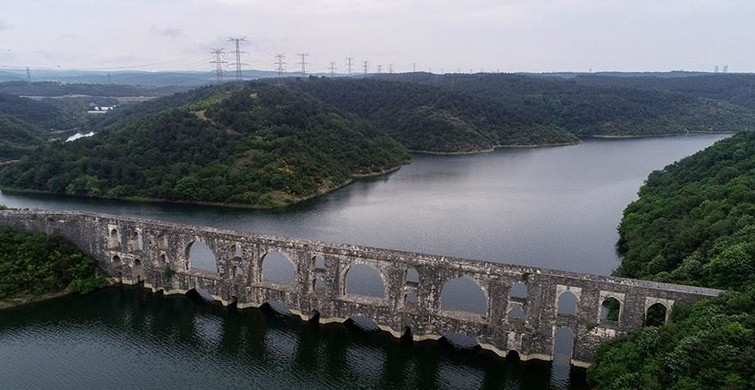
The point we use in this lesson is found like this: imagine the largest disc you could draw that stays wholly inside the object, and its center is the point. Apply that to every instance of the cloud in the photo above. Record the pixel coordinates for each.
(167, 32)
(5, 25)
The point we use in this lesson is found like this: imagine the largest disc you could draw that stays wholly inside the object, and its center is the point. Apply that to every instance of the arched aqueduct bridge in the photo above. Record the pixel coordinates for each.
(522, 312)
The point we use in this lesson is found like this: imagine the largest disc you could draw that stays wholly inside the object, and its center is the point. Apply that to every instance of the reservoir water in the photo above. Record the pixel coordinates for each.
(550, 207)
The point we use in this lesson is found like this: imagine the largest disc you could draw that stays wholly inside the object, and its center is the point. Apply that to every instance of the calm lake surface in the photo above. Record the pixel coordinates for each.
(551, 207)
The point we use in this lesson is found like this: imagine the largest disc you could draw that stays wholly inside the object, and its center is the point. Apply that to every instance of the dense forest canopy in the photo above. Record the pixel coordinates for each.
(295, 138)
(255, 145)
(426, 118)
(36, 264)
(596, 110)
(734, 88)
(694, 223)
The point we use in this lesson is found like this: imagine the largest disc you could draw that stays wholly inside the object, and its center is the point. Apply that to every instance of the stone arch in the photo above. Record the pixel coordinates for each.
(136, 241)
(567, 304)
(465, 295)
(162, 242)
(610, 309)
(318, 285)
(364, 280)
(116, 259)
(163, 259)
(411, 276)
(411, 298)
(112, 238)
(516, 314)
(235, 251)
(236, 271)
(318, 262)
(201, 257)
(277, 267)
(518, 291)
(137, 271)
(512, 355)
(656, 314)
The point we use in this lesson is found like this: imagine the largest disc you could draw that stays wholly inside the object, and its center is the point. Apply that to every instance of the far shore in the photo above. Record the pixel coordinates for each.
(493, 149)
(662, 135)
(295, 201)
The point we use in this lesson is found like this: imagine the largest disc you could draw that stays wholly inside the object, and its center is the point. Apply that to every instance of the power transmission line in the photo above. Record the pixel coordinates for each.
(380, 69)
(237, 41)
(390, 68)
(365, 65)
(280, 65)
(349, 62)
(218, 53)
(303, 63)
(332, 68)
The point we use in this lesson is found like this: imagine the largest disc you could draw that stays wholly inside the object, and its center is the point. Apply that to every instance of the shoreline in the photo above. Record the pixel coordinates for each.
(295, 202)
(620, 137)
(497, 147)
(18, 302)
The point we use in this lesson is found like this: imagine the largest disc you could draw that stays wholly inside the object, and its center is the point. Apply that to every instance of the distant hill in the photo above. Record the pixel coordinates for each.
(253, 144)
(431, 119)
(734, 88)
(57, 89)
(597, 110)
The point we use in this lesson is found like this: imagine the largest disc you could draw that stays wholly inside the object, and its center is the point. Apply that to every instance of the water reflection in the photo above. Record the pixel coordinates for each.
(128, 335)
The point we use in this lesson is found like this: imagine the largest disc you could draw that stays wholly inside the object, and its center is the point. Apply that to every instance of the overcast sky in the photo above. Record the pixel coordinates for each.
(506, 35)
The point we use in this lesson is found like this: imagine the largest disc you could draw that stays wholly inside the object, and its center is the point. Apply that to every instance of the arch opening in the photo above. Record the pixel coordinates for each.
(116, 259)
(364, 280)
(237, 251)
(163, 259)
(278, 268)
(137, 271)
(567, 304)
(512, 355)
(201, 257)
(112, 239)
(136, 243)
(610, 309)
(162, 242)
(412, 276)
(656, 315)
(411, 298)
(519, 290)
(517, 314)
(200, 295)
(463, 294)
(236, 271)
(318, 285)
(319, 262)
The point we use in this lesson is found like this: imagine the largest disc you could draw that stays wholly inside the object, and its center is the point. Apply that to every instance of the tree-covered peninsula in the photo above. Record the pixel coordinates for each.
(252, 144)
(694, 223)
(35, 265)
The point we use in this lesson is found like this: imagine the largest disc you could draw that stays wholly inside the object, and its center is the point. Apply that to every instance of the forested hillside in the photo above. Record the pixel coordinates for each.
(255, 145)
(734, 88)
(694, 223)
(587, 110)
(426, 118)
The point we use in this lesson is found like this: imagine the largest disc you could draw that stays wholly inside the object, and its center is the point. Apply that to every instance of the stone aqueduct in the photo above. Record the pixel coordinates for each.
(136, 250)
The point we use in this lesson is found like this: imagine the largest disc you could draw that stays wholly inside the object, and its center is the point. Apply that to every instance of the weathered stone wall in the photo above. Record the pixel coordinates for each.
(134, 250)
